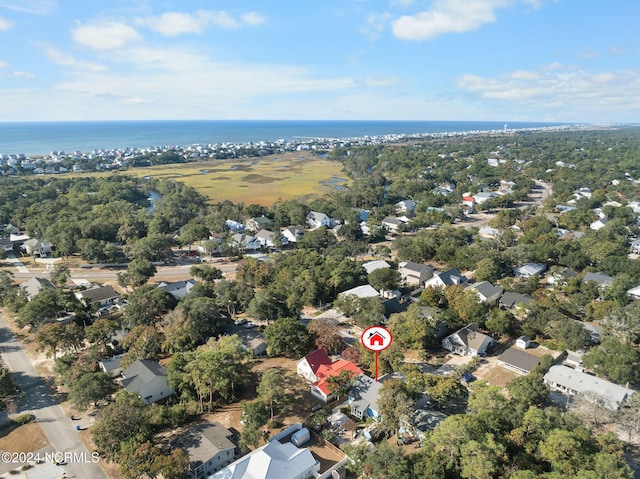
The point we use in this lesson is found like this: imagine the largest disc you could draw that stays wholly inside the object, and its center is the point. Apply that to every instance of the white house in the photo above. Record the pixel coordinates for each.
(523, 342)
(487, 293)
(148, 379)
(446, 278)
(308, 366)
(573, 382)
(405, 207)
(468, 341)
(598, 224)
(634, 293)
(111, 365)
(484, 196)
(315, 219)
(274, 460)
(178, 289)
(518, 361)
(392, 223)
(245, 242)
(371, 266)
(364, 291)
(257, 223)
(34, 285)
(36, 247)
(98, 295)
(489, 233)
(208, 446)
(268, 239)
(363, 397)
(292, 234)
(528, 270)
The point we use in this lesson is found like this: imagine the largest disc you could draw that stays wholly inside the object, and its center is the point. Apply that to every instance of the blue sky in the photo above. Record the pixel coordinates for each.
(503, 60)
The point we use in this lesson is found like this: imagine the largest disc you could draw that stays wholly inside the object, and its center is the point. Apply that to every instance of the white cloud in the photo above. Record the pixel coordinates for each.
(568, 89)
(19, 74)
(172, 24)
(179, 82)
(60, 58)
(376, 23)
(253, 19)
(378, 82)
(3, 64)
(105, 35)
(447, 16)
(5, 25)
(38, 7)
(402, 3)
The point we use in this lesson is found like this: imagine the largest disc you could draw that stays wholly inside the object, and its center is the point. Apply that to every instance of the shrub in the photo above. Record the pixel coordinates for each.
(25, 418)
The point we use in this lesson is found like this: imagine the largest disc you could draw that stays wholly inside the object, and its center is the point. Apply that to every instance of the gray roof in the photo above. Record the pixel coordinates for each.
(261, 220)
(472, 337)
(317, 217)
(365, 392)
(486, 289)
(364, 291)
(427, 419)
(168, 287)
(34, 285)
(599, 277)
(141, 373)
(519, 359)
(111, 364)
(452, 277)
(417, 267)
(178, 289)
(392, 221)
(204, 441)
(511, 299)
(99, 293)
(530, 269)
(371, 266)
(582, 383)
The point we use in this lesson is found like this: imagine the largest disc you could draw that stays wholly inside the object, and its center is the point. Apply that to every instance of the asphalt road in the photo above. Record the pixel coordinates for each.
(41, 401)
(164, 273)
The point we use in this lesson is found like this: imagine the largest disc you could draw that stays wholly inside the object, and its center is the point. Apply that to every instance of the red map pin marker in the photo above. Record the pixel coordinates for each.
(376, 339)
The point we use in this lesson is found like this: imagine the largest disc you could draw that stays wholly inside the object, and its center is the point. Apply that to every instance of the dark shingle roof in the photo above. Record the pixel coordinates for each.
(99, 294)
(519, 359)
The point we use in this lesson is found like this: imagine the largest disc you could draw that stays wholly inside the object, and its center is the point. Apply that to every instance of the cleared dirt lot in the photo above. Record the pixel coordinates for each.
(496, 375)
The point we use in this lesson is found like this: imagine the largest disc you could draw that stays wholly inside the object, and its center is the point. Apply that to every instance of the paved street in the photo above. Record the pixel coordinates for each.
(40, 400)
(164, 273)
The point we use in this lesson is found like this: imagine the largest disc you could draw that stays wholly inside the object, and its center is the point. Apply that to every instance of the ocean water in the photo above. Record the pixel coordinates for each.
(37, 138)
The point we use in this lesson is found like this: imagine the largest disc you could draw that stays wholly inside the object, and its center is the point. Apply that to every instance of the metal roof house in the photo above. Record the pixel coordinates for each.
(573, 383)
(274, 460)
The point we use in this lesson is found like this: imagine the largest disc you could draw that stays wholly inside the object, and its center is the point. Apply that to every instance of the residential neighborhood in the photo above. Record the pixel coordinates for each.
(226, 340)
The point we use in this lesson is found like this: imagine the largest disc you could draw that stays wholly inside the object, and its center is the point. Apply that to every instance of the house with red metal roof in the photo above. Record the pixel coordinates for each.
(308, 366)
(321, 387)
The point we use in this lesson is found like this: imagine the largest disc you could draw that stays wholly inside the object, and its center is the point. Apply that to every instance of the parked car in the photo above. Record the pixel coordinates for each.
(467, 378)
(240, 322)
(250, 325)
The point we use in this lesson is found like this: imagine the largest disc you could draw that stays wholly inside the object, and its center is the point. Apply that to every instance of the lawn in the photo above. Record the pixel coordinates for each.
(257, 180)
